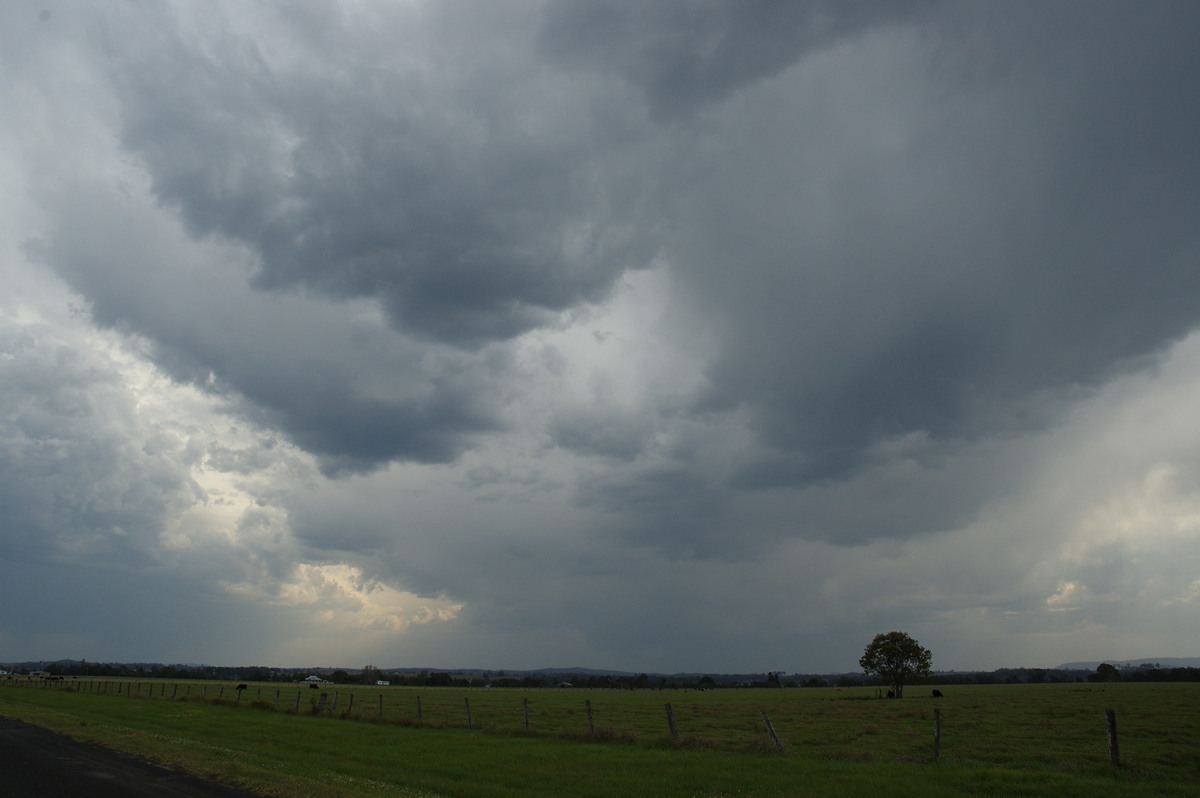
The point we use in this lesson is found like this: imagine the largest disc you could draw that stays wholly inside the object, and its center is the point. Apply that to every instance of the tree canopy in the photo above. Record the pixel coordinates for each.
(896, 657)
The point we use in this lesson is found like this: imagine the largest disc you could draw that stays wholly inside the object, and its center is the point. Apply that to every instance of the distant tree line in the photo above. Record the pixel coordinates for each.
(1160, 675)
(153, 671)
(1147, 672)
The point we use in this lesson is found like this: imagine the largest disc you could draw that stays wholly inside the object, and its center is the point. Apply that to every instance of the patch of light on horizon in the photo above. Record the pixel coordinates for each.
(339, 593)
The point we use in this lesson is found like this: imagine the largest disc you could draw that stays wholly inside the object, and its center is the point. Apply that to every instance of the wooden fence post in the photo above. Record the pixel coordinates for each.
(671, 723)
(467, 701)
(381, 705)
(298, 694)
(1114, 752)
(335, 700)
(591, 725)
(937, 733)
(350, 706)
(420, 714)
(771, 730)
(525, 706)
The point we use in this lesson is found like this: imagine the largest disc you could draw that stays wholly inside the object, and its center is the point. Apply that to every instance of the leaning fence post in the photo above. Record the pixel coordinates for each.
(671, 723)
(1114, 753)
(937, 733)
(591, 725)
(467, 701)
(771, 730)
(525, 706)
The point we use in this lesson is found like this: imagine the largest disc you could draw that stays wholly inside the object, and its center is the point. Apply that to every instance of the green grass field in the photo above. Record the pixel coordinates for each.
(995, 740)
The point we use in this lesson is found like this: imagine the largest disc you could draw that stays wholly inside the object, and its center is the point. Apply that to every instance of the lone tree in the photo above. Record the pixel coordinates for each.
(896, 657)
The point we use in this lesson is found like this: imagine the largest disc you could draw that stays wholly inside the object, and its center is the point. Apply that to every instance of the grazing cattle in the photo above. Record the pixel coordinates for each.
(313, 687)
(241, 687)
(938, 694)
(891, 694)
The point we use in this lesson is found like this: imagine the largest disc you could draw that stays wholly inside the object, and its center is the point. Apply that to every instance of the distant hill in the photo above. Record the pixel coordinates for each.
(1161, 662)
(508, 672)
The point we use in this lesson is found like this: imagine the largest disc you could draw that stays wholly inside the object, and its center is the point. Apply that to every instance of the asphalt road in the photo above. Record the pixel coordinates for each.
(38, 763)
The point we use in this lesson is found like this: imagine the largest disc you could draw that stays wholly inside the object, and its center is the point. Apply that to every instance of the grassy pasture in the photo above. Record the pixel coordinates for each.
(998, 740)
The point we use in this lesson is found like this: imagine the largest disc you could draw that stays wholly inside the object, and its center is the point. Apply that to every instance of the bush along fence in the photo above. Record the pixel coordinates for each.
(388, 706)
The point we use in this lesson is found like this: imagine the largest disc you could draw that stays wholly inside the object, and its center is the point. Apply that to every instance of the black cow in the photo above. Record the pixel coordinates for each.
(313, 687)
(938, 694)
(891, 694)
(241, 687)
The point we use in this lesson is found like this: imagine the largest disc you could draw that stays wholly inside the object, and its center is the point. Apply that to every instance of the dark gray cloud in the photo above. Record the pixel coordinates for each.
(890, 255)
(683, 55)
(472, 192)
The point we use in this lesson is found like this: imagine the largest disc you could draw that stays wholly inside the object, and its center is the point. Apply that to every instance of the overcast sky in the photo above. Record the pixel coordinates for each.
(678, 335)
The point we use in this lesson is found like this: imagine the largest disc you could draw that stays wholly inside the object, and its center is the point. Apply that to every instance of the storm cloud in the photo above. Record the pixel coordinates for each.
(520, 333)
